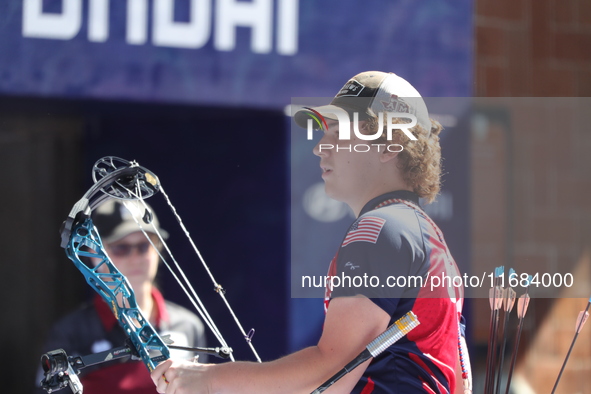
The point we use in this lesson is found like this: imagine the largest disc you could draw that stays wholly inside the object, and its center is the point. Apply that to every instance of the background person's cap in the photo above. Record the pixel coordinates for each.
(370, 93)
(114, 220)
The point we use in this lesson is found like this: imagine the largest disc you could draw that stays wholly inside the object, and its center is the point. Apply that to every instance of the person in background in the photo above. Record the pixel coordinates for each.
(93, 327)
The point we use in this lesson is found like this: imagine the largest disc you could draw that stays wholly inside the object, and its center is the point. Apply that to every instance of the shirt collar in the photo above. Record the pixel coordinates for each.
(108, 318)
(398, 194)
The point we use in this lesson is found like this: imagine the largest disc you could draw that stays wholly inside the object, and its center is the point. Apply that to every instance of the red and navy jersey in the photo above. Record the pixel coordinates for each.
(398, 249)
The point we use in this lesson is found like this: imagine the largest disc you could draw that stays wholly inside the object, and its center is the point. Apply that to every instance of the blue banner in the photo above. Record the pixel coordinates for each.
(256, 53)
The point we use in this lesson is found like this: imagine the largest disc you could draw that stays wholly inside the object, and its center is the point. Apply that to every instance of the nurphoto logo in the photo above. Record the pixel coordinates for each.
(345, 129)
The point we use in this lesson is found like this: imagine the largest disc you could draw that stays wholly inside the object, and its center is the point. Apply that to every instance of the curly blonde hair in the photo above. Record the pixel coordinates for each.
(420, 160)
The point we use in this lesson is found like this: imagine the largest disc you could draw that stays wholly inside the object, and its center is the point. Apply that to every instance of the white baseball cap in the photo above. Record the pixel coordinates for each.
(370, 93)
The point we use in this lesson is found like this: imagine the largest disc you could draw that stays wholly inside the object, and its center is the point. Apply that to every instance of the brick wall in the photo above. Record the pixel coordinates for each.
(533, 48)
(531, 174)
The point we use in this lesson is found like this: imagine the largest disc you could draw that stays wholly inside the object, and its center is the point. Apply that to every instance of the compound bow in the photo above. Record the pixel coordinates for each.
(123, 180)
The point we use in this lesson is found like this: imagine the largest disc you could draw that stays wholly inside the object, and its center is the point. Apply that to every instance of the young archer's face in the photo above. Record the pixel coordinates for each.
(351, 172)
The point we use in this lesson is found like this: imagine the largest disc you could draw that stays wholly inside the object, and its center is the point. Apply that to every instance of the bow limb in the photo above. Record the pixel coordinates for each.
(114, 182)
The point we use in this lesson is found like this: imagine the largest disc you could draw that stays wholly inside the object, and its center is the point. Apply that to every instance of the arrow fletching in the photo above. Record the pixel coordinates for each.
(495, 297)
(509, 299)
(499, 271)
(522, 305)
(581, 320)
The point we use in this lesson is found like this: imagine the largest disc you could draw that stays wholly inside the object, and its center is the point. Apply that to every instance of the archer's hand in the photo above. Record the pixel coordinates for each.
(181, 377)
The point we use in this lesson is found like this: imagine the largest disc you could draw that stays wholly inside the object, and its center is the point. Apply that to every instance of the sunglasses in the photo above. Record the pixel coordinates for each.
(124, 250)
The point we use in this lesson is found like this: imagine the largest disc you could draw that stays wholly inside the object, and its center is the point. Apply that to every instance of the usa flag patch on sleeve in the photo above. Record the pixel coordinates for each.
(366, 229)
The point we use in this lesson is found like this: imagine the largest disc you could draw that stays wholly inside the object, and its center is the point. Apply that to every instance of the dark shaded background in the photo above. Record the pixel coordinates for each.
(224, 171)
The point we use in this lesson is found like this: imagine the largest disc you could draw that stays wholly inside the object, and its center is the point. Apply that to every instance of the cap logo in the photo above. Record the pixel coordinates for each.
(351, 89)
(396, 104)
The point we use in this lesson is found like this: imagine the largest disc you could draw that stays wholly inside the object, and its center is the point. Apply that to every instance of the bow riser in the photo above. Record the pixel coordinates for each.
(115, 289)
